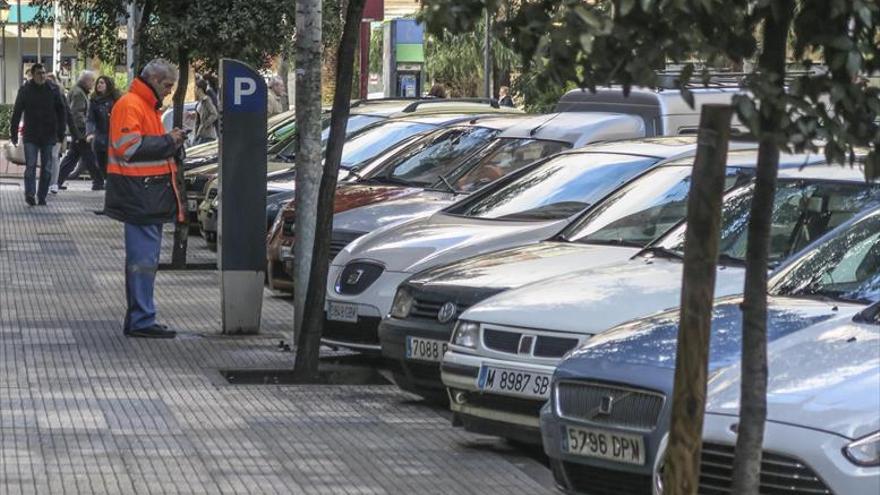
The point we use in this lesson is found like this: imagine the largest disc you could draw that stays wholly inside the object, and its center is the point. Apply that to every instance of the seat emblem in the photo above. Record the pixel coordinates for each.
(446, 312)
(354, 277)
(525, 344)
(606, 405)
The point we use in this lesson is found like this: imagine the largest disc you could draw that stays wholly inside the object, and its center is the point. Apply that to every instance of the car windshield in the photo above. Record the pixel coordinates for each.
(290, 145)
(558, 188)
(644, 209)
(370, 142)
(506, 156)
(803, 210)
(436, 155)
(846, 267)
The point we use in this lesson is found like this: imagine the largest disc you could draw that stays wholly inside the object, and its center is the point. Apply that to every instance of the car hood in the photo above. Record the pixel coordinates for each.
(592, 301)
(440, 238)
(500, 270)
(825, 377)
(389, 207)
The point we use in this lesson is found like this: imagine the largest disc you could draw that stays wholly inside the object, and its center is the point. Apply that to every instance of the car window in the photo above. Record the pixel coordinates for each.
(644, 209)
(802, 212)
(561, 187)
(376, 139)
(291, 144)
(845, 267)
(438, 156)
(509, 155)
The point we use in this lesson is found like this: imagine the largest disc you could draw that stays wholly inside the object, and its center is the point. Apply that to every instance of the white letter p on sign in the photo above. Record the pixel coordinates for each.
(244, 86)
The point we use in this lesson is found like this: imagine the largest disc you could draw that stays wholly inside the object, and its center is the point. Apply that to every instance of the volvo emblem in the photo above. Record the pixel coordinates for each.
(354, 277)
(525, 344)
(606, 405)
(447, 312)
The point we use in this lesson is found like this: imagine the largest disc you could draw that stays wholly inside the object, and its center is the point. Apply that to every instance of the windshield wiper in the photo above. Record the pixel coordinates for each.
(662, 252)
(611, 242)
(446, 182)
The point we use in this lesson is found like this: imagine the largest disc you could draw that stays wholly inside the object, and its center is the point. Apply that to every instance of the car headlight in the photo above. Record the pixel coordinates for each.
(403, 302)
(466, 334)
(864, 451)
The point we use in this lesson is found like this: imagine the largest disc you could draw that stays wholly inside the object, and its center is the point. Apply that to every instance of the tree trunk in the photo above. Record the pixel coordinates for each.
(682, 466)
(307, 48)
(753, 383)
(310, 337)
(181, 230)
(284, 73)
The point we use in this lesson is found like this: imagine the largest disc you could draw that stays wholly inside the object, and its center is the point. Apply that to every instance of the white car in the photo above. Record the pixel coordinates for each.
(822, 433)
(527, 206)
(503, 333)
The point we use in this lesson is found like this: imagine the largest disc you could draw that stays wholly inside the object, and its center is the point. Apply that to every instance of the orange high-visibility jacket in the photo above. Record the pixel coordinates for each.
(141, 171)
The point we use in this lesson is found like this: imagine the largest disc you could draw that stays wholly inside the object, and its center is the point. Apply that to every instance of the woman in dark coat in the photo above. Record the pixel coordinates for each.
(98, 120)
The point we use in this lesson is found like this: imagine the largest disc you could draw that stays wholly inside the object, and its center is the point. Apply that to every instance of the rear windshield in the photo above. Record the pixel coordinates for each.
(559, 188)
(644, 209)
(803, 211)
(506, 156)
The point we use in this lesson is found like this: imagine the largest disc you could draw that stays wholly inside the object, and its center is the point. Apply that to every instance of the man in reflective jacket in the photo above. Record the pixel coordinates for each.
(142, 190)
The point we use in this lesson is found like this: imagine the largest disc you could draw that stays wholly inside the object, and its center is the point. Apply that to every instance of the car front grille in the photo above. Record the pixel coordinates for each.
(428, 310)
(338, 241)
(593, 480)
(779, 474)
(287, 229)
(212, 193)
(515, 405)
(337, 245)
(545, 346)
(365, 331)
(609, 405)
(357, 277)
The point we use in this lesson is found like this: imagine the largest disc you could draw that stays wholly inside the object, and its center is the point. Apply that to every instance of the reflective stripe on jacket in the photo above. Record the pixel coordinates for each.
(141, 171)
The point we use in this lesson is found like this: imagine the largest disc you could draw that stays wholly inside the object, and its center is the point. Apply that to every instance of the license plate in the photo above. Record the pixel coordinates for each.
(192, 204)
(514, 382)
(425, 349)
(337, 311)
(589, 442)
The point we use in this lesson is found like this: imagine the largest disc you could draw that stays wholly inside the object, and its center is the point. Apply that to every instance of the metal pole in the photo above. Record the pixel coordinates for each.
(56, 40)
(20, 70)
(487, 57)
(3, 68)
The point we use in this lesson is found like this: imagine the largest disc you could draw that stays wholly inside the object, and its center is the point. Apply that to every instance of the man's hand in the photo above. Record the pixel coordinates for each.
(90, 138)
(178, 136)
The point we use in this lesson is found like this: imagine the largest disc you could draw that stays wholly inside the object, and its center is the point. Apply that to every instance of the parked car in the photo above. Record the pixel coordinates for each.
(527, 140)
(612, 230)
(822, 433)
(615, 389)
(407, 170)
(525, 331)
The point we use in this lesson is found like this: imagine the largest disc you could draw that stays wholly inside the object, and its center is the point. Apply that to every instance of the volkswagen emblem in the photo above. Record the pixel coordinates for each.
(354, 277)
(447, 312)
(606, 405)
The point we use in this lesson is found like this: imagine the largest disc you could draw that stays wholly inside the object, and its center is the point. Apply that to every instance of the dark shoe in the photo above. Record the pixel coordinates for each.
(97, 187)
(62, 188)
(30, 200)
(153, 332)
(42, 202)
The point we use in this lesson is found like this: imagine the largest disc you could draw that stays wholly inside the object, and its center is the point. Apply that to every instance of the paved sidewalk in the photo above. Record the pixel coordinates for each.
(85, 410)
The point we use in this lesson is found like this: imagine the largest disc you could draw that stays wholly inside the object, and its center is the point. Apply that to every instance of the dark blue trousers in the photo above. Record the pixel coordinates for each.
(31, 153)
(142, 246)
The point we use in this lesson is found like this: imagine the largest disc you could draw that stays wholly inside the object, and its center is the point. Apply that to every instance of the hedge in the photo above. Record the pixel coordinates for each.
(5, 117)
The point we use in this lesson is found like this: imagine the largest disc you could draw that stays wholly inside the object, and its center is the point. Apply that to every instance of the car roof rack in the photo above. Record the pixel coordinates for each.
(412, 107)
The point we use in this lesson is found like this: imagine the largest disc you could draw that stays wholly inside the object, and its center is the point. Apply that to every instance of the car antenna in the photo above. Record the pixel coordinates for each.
(446, 181)
(542, 124)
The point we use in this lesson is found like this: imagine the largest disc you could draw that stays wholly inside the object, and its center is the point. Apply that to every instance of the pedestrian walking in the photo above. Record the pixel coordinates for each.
(98, 119)
(273, 100)
(141, 189)
(206, 115)
(504, 98)
(80, 150)
(56, 151)
(44, 123)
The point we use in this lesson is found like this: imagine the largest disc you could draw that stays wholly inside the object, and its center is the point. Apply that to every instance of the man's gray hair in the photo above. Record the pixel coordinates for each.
(159, 67)
(86, 74)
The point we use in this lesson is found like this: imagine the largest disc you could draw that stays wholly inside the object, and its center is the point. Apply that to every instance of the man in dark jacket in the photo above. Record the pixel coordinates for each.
(44, 119)
(141, 189)
(80, 149)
